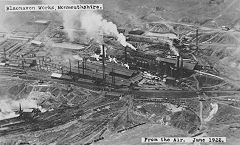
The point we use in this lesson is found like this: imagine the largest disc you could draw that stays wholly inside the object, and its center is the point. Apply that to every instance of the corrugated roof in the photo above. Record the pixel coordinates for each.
(186, 65)
(36, 42)
(42, 21)
(56, 75)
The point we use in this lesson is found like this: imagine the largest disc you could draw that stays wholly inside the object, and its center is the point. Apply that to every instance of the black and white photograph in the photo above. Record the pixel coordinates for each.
(119, 72)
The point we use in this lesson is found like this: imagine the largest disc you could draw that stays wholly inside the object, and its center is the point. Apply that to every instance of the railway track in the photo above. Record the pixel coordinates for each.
(11, 71)
(43, 121)
(138, 93)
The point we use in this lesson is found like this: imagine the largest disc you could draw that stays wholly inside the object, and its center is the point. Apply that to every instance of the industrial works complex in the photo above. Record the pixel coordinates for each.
(87, 89)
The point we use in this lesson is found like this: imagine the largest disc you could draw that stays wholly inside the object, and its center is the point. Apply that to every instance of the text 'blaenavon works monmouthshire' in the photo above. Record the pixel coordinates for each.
(16, 8)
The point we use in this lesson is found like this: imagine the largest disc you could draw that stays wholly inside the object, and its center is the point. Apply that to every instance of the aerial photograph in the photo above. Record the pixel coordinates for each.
(119, 72)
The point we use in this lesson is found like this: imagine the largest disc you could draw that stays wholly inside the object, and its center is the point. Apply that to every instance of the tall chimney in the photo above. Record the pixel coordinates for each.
(177, 67)
(39, 61)
(103, 61)
(197, 39)
(62, 69)
(178, 58)
(83, 65)
(70, 66)
(4, 53)
(165, 69)
(23, 64)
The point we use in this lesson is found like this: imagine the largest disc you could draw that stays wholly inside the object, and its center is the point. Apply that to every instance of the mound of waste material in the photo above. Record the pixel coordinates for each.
(185, 120)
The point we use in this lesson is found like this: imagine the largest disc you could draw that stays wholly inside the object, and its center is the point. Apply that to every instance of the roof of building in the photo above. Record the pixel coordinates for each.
(36, 42)
(136, 32)
(186, 64)
(167, 35)
(56, 75)
(42, 21)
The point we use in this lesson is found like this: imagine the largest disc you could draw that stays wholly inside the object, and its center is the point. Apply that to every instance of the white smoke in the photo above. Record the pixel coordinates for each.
(9, 106)
(91, 21)
(67, 16)
(173, 49)
(97, 57)
(77, 57)
(112, 59)
(68, 24)
(96, 26)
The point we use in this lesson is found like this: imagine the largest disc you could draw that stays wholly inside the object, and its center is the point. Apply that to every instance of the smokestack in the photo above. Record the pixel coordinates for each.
(83, 65)
(78, 66)
(197, 39)
(62, 69)
(178, 58)
(23, 64)
(171, 71)
(164, 69)
(103, 61)
(39, 61)
(4, 54)
(70, 69)
(20, 108)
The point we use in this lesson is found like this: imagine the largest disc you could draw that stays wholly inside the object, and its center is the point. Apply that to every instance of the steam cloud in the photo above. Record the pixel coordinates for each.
(173, 49)
(95, 26)
(8, 106)
(90, 21)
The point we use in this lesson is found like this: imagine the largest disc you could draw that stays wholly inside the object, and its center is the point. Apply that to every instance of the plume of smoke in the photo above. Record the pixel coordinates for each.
(68, 17)
(7, 106)
(96, 26)
(172, 48)
(77, 57)
(91, 21)
(68, 24)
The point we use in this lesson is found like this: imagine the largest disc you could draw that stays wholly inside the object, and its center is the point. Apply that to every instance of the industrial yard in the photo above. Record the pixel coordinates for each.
(165, 68)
